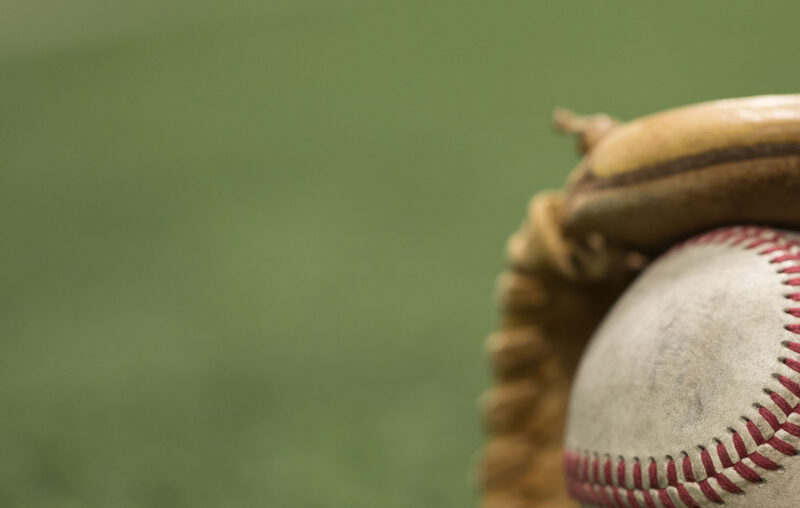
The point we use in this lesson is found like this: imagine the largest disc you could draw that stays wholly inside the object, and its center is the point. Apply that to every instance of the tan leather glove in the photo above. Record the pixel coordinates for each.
(641, 187)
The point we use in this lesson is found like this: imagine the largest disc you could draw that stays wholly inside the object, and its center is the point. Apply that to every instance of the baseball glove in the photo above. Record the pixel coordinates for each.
(641, 187)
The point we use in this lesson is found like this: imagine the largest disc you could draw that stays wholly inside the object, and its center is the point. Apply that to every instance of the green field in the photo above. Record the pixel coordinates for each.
(248, 250)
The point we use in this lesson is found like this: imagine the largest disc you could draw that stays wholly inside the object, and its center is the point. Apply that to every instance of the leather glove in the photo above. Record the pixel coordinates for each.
(641, 187)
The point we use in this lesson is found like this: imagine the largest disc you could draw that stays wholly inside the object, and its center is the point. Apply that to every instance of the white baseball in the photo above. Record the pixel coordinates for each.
(688, 395)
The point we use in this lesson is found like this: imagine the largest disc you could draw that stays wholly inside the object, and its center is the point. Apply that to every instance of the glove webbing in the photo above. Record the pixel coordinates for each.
(553, 294)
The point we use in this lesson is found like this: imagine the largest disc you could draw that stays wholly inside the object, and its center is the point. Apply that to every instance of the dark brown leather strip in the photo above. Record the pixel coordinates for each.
(590, 181)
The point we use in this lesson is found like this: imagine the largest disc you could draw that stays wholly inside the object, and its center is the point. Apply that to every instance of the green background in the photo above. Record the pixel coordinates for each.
(248, 248)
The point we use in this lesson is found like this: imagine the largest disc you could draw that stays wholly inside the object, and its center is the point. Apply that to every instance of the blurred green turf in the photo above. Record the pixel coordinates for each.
(248, 249)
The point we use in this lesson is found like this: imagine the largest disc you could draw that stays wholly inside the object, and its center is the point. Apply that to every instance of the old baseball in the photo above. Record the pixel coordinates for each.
(688, 394)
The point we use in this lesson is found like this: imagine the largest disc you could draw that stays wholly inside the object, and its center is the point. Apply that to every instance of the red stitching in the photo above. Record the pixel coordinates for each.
(786, 257)
(727, 484)
(770, 418)
(781, 403)
(601, 490)
(792, 364)
(688, 473)
(782, 446)
(617, 499)
(762, 461)
(746, 473)
(637, 474)
(738, 443)
(604, 497)
(664, 497)
(792, 429)
(709, 492)
(686, 497)
(755, 433)
(790, 385)
(722, 452)
(585, 465)
(607, 472)
(672, 473)
(653, 472)
(632, 500)
(708, 464)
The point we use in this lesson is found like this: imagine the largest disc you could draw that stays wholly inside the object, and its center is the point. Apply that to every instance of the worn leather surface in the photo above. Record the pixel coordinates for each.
(685, 357)
(715, 163)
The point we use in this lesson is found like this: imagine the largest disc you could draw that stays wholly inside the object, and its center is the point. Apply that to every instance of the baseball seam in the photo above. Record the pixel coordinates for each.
(597, 478)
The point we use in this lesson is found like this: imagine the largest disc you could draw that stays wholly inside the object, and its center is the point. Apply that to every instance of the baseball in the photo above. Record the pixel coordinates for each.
(688, 394)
